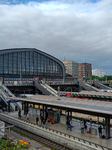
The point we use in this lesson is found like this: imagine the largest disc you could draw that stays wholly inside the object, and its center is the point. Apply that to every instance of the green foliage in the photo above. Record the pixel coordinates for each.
(5, 145)
(104, 78)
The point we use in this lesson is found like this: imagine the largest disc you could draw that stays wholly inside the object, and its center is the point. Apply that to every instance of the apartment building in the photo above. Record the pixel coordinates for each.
(85, 70)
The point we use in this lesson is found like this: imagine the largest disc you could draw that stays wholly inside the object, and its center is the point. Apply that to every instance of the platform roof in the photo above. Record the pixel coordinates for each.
(92, 94)
(92, 107)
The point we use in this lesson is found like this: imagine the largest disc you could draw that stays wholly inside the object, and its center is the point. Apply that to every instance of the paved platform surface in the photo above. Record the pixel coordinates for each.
(76, 130)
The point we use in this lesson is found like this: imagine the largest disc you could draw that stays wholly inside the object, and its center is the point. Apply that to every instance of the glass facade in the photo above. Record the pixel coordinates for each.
(29, 63)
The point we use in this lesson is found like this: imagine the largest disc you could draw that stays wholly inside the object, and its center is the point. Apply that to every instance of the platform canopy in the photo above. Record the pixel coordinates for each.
(92, 107)
(92, 94)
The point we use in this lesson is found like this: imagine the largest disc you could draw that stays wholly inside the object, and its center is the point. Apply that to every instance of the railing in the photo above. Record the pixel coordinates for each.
(28, 125)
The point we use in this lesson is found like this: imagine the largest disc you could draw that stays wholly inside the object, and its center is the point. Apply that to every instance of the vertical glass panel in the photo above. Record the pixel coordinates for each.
(39, 64)
(6, 64)
(35, 63)
(23, 63)
(19, 63)
(31, 63)
(15, 63)
(48, 66)
(27, 63)
(42, 64)
(45, 62)
(1, 64)
(10, 64)
(56, 70)
(51, 67)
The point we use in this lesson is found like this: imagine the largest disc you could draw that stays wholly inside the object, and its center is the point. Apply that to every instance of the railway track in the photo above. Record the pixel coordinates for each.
(43, 140)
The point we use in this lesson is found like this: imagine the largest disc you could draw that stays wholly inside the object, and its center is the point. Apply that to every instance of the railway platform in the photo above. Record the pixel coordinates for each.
(76, 130)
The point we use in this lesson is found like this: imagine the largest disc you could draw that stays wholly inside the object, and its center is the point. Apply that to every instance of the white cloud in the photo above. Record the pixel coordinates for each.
(77, 30)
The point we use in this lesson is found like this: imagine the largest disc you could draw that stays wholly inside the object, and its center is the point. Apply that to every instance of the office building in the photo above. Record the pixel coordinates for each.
(71, 68)
(99, 73)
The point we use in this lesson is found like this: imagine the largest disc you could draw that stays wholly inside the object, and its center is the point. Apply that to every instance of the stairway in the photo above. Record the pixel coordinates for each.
(88, 87)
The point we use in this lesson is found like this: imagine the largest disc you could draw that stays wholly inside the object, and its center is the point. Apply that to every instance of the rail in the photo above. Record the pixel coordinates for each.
(33, 127)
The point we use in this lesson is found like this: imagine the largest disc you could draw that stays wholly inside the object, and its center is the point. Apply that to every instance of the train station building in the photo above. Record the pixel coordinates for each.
(29, 63)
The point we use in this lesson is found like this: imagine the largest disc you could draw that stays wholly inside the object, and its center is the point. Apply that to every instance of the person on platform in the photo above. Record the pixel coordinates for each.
(44, 122)
(4, 109)
(70, 124)
(85, 124)
(90, 123)
(37, 119)
(10, 109)
(42, 118)
(19, 114)
(27, 116)
(100, 132)
(67, 123)
(103, 123)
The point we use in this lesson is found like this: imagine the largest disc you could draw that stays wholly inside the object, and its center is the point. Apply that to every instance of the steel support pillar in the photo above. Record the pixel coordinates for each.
(9, 106)
(24, 108)
(71, 114)
(98, 119)
(43, 110)
(68, 115)
(107, 127)
(22, 105)
(33, 105)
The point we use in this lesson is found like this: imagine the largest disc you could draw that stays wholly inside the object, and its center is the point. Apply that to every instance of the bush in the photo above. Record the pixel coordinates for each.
(5, 145)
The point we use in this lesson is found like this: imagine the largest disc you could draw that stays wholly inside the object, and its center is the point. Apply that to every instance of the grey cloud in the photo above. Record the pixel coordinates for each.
(78, 36)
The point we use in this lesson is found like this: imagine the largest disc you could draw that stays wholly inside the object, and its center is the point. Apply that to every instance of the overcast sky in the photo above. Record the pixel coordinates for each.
(75, 29)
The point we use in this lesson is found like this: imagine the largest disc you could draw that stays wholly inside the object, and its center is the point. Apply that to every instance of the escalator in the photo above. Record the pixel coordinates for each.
(3, 96)
(50, 89)
(97, 83)
(10, 94)
(87, 86)
(43, 90)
